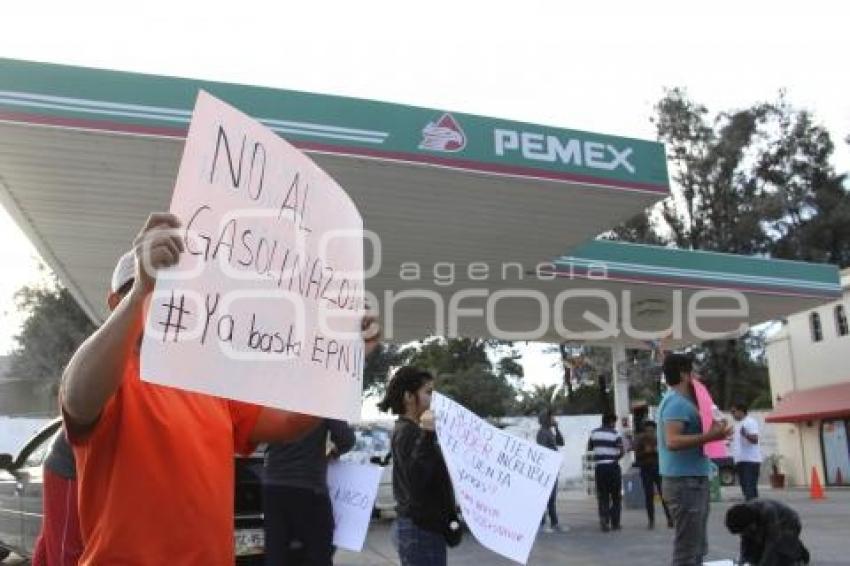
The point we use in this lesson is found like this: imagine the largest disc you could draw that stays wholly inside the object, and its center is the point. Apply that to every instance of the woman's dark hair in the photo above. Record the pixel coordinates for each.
(406, 380)
(674, 365)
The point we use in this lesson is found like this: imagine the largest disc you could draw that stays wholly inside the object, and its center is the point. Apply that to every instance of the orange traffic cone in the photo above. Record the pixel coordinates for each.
(816, 490)
(839, 478)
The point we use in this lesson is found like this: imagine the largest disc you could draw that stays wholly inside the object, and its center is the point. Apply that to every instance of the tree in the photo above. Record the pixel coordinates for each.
(484, 393)
(735, 370)
(643, 368)
(464, 372)
(807, 202)
(639, 229)
(718, 207)
(751, 181)
(55, 326)
(379, 364)
(585, 400)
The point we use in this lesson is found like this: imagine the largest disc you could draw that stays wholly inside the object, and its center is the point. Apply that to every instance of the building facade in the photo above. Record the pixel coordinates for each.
(809, 363)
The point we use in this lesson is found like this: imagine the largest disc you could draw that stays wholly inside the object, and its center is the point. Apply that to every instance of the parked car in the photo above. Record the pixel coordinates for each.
(21, 492)
(21, 499)
(372, 445)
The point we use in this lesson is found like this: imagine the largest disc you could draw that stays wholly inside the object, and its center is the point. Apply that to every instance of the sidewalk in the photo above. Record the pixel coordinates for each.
(824, 532)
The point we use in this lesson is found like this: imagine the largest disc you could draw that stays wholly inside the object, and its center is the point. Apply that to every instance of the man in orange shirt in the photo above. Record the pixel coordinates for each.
(154, 463)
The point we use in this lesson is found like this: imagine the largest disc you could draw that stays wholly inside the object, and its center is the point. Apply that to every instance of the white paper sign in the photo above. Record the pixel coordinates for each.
(353, 488)
(265, 304)
(502, 482)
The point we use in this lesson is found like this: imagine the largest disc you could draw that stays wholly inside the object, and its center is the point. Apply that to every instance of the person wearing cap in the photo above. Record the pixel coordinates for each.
(155, 464)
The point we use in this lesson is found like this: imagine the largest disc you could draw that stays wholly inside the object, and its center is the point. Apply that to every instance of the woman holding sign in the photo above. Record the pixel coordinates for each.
(427, 514)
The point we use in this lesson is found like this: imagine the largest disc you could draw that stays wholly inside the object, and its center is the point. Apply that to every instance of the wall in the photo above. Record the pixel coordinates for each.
(796, 362)
(575, 429)
(803, 363)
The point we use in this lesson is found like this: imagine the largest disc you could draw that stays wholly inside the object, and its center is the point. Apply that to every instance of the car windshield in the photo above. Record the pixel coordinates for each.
(369, 442)
(16, 432)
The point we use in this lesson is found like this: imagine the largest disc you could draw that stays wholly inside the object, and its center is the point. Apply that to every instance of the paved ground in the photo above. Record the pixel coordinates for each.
(825, 532)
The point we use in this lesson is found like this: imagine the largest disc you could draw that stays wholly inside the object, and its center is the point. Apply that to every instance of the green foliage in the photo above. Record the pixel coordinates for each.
(806, 202)
(380, 362)
(464, 372)
(645, 376)
(483, 392)
(585, 400)
(639, 228)
(732, 372)
(757, 180)
(54, 328)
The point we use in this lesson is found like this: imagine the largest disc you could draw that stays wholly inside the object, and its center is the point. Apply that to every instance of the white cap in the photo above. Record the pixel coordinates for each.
(125, 270)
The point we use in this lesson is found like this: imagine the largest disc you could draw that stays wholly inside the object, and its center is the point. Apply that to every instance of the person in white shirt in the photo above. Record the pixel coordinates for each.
(746, 450)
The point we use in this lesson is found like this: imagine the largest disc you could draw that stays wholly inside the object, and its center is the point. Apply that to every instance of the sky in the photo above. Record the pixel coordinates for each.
(597, 66)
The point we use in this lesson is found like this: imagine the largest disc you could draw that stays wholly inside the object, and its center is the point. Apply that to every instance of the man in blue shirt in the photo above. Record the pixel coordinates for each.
(683, 465)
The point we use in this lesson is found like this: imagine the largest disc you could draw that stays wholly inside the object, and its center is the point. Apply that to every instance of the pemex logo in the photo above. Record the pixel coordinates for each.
(443, 135)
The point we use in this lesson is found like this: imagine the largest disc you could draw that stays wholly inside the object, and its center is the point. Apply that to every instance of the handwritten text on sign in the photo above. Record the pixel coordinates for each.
(353, 488)
(265, 303)
(502, 482)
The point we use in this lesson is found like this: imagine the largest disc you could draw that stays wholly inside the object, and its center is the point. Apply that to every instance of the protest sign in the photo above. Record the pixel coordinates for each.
(707, 409)
(353, 488)
(265, 303)
(502, 482)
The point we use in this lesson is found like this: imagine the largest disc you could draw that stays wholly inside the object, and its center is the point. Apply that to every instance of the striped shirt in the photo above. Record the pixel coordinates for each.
(606, 445)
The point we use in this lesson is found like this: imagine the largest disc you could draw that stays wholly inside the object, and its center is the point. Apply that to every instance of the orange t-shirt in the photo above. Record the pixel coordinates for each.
(156, 474)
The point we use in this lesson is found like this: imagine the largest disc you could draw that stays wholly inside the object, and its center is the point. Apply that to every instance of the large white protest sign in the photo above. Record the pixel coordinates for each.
(502, 482)
(265, 303)
(353, 488)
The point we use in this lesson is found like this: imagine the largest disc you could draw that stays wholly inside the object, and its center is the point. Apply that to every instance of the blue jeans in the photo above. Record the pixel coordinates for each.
(416, 546)
(748, 477)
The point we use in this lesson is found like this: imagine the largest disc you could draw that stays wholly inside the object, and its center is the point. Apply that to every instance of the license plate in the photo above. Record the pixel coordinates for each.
(249, 541)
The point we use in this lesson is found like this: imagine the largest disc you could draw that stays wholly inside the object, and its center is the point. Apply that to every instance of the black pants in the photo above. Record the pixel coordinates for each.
(651, 480)
(550, 507)
(748, 477)
(295, 514)
(783, 549)
(609, 486)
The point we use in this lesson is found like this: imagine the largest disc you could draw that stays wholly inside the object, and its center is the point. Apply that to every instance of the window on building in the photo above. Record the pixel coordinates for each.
(841, 321)
(817, 330)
